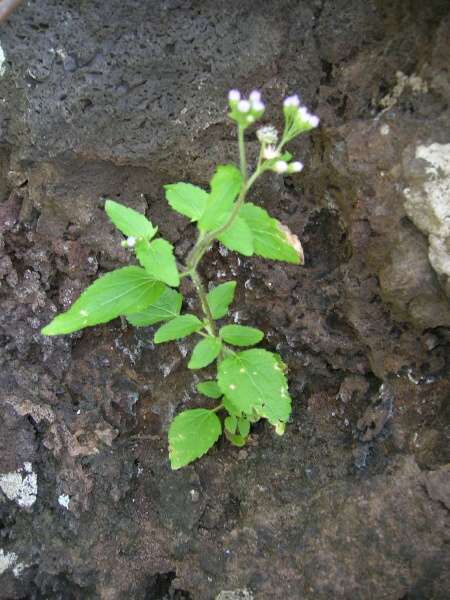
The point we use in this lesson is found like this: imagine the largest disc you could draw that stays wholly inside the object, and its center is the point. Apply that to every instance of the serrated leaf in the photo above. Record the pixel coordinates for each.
(187, 199)
(230, 424)
(166, 307)
(210, 389)
(225, 186)
(130, 289)
(253, 379)
(191, 434)
(243, 427)
(269, 240)
(238, 237)
(205, 352)
(129, 221)
(220, 298)
(178, 328)
(239, 335)
(158, 260)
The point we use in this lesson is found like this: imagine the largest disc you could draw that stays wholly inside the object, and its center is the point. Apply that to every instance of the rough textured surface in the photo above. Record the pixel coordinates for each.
(353, 501)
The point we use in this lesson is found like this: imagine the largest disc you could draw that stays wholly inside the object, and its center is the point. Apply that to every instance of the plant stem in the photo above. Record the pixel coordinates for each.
(205, 240)
(201, 293)
(242, 157)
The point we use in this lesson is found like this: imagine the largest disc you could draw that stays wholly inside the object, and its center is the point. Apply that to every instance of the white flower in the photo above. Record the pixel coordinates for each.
(258, 106)
(295, 167)
(255, 96)
(243, 106)
(234, 95)
(292, 101)
(267, 134)
(303, 113)
(307, 117)
(313, 120)
(131, 242)
(270, 152)
(280, 167)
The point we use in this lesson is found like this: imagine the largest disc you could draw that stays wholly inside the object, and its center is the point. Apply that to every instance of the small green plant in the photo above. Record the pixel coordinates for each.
(250, 384)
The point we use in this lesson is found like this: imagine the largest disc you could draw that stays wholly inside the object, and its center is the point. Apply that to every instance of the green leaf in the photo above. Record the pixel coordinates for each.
(230, 407)
(158, 260)
(205, 352)
(123, 291)
(165, 308)
(269, 240)
(187, 199)
(225, 186)
(253, 379)
(130, 222)
(191, 434)
(244, 427)
(235, 439)
(230, 424)
(220, 298)
(238, 237)
(210, 389)
(238, 335)
(178, 328)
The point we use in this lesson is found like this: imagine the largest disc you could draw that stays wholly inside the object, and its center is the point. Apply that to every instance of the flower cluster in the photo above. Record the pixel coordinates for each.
(297, 118)
(245, 111)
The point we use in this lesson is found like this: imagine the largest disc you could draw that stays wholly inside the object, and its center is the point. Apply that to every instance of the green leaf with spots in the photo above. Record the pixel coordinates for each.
(130, 222)
(254, 381)
(239, 335)
(191, 434)
(225, 186)
(205, 352)
(220, 298)
(187, 199)
(210, 389)
(178, 328)
(238, 237)
(270, 240)
(158, 260)
(168, 306)
(130, 289)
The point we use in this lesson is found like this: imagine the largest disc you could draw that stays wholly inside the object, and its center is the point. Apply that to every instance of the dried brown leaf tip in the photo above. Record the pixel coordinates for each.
(293, 240)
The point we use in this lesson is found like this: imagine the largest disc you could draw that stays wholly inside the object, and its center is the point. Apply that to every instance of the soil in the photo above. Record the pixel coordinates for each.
(353, 501)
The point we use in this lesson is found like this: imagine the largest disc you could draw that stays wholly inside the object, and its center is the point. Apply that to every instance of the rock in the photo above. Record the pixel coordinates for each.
(427, 202)
(116, 104)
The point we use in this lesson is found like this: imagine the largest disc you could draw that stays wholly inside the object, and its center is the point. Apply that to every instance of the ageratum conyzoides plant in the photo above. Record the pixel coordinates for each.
(250, 383)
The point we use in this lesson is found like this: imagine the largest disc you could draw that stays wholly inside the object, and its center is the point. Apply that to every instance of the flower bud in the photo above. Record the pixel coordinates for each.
(255, 96)
(270, 152)
(234, 96)
(243, 106)
(292, 101)
(258, 106)
(295, 167)
(280, 167)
